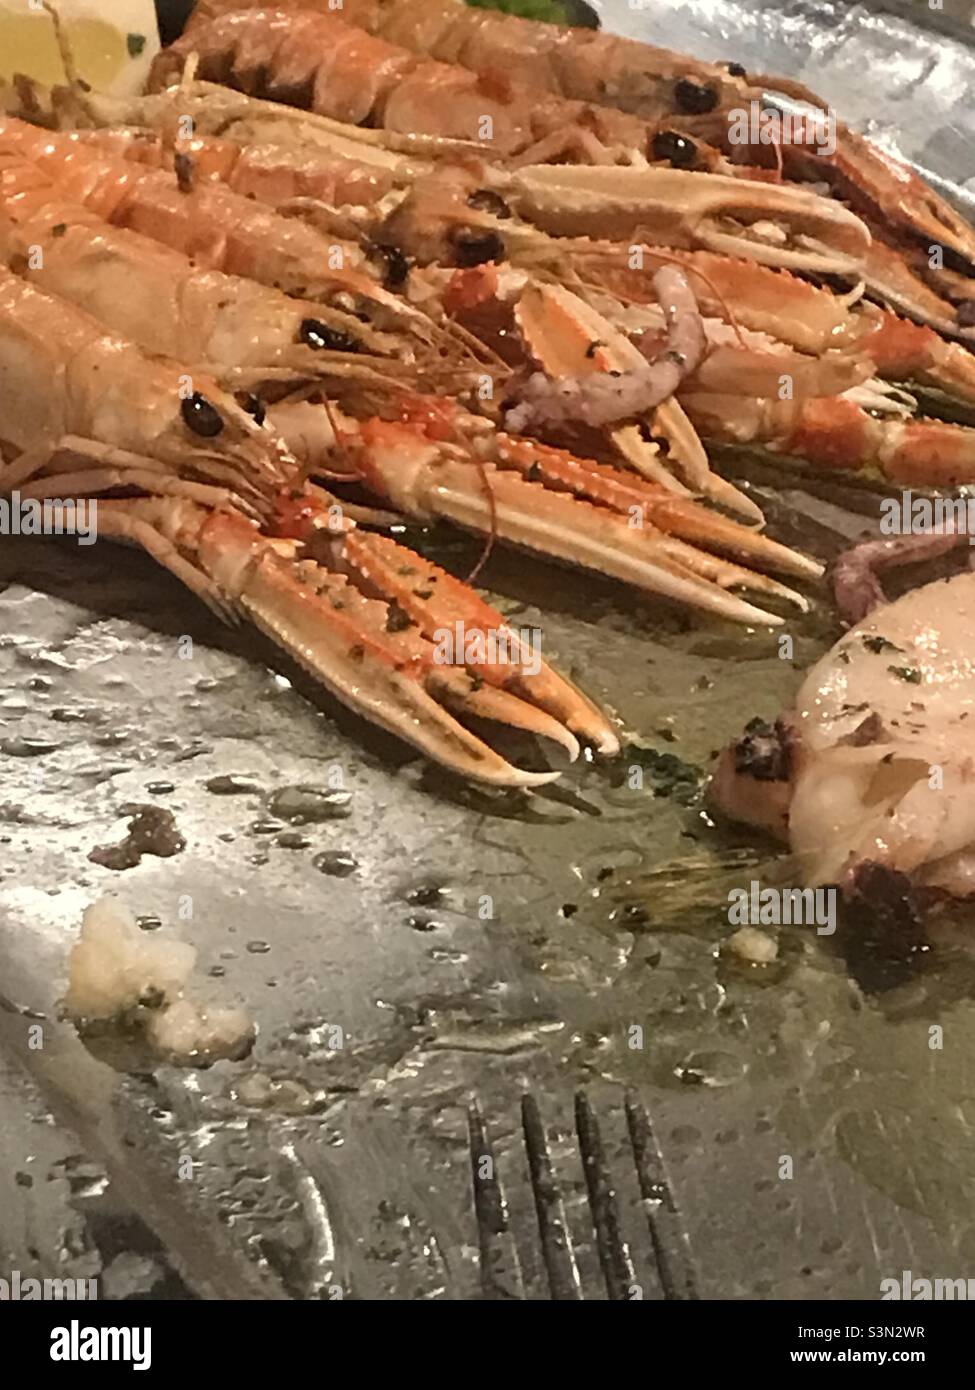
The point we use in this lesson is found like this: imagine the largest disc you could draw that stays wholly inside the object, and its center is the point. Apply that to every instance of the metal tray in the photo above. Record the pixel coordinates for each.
(635, 1092)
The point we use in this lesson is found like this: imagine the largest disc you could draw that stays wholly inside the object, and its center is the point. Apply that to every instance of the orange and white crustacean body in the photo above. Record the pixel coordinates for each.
(337, 279)
(685, 102)
(730, 399)
(316, 59)
(214, 496)
(530, 500)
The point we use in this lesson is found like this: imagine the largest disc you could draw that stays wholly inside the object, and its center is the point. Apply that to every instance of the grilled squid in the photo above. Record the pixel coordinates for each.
(875, 764)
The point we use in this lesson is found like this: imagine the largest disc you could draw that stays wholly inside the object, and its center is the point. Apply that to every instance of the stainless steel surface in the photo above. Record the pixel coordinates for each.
(484, 949)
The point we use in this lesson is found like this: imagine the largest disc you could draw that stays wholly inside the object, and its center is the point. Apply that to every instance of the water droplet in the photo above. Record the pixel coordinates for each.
(710, 1069)
(265, 827)
(422, 924)
(232, 784)
(113, 738)
(26, 747)
(258, 948)
(293, 839)
(337, 862)
(427, 895)
(160, 788)
(308, 805)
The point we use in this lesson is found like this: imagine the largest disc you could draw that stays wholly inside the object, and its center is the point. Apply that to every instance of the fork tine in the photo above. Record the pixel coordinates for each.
(671, 1245)
(614, 1256)
(560, 1263)
(500, 1268)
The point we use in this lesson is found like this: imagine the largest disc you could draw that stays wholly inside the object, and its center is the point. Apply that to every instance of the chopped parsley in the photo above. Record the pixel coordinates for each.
(548, 10)
(880, 644)
(397, 620)
(135, 43)
(906, 673)
(671, 776)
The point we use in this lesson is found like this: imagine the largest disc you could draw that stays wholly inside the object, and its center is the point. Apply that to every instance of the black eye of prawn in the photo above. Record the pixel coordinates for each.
(474, 247)
(395, 263)
(736, 70)
(486, 200)
(695, 98)
(318, 335)
(677, 149)
(201, 417)
(254, 406)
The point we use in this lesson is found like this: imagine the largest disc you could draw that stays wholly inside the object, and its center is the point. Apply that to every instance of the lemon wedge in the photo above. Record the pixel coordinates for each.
(112, 42)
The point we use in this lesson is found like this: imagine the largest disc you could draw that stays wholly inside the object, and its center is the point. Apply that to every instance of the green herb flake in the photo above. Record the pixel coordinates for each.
(135, 43)
(671, 776)
(880, 644)
(397, 620)
(906, 673)
(547, 10)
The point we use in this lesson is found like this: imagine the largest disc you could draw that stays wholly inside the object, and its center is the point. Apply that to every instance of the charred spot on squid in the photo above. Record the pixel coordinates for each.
(695, 98)
(201, 416)
(315, 334)
(679, 151)
(486, 200)
(765, 752)
(254, 406)
(965, 314)
(475, 246)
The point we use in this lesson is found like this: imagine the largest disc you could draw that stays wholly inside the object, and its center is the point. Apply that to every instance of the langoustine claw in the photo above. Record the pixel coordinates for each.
(604, 397)
(316, 60)
(213, 495)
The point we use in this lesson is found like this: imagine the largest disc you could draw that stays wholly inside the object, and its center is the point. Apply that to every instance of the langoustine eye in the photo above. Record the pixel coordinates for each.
(695, 98)
(677, 149)
(473, 246)
(201, 416)
(254, 406)
(316, 334)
